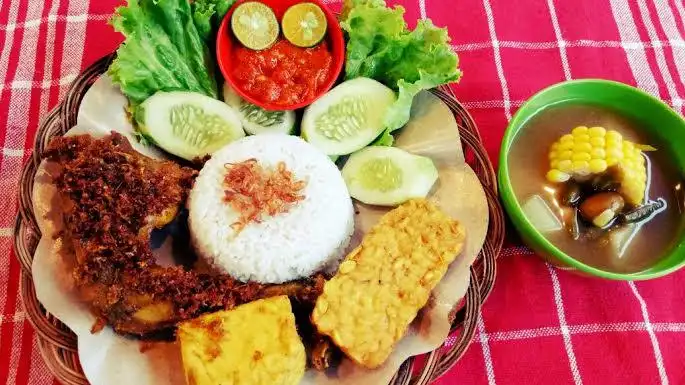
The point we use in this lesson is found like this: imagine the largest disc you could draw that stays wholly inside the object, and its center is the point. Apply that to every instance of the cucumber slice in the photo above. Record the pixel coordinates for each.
(188, 124)
(257, 120)
(348, 117)
(388, 176)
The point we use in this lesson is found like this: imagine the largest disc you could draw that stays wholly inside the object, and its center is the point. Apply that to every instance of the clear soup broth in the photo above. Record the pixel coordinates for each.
(622, 248)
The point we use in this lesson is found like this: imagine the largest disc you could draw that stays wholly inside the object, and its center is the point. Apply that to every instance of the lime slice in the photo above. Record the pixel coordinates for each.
(304, 24)
(254, 24)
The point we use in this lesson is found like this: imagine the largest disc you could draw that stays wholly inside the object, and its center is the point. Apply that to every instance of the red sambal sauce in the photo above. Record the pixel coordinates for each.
(282, 74)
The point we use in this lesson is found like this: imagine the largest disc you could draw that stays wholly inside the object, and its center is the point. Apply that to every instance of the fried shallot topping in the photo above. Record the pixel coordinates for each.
(253, 191)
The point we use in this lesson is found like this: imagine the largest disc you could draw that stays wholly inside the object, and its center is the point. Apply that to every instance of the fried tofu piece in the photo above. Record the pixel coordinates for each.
(252, 344)
(381, 285)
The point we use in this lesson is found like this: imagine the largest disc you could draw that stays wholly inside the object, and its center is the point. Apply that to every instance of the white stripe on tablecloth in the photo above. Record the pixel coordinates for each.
(487, 358)
(19, 316)
(668, 24)
(35, 23)
(660, 57)
(74, 41)
(637, 59)
(17, 119)
(491, 104)
(652, 336)
(422, 9)
(483, 337)
(498, 59)
(482, 104)
(16, 152)
(681, 10)
(560, 39)
(7, 50)
(17, 334)
(565, 333)
(39, 372)
(46, 83)
(554, 331)
(15, 137)
(627, 45)
(6, 231)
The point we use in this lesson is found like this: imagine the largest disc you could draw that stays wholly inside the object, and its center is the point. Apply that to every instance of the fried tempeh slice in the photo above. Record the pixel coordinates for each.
(252, 344)
(380, 287)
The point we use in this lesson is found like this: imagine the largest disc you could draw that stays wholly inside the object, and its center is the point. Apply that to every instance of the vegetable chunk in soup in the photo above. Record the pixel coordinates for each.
(596, 188)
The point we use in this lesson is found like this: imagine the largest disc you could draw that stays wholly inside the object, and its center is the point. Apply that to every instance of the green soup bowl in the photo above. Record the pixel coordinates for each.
(656, 119)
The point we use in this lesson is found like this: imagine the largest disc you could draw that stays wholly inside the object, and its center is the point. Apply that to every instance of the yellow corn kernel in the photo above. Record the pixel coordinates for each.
(554, 164)
(614, 135)
(597, 131)
(556, 176)
(582, 138)
(565, 146)
(555, 146)
(598, 153)
(579, 130)
(553, 155)
(565, 166)
(614, 153)
(613, 143)
(397, 295)
(566, 155)
(568, 138)
(582, 147)
(598, 165)
(581, 166)
(597, 141)
(581, 156)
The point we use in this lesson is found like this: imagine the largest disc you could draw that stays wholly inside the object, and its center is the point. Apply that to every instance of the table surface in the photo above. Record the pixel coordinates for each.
(540, 325)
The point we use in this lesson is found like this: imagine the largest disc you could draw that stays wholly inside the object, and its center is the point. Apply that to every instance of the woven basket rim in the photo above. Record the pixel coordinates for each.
(58, 345)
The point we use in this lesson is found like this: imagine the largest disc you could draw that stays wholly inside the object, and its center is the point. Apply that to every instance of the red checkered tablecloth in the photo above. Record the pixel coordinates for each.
(540, 325)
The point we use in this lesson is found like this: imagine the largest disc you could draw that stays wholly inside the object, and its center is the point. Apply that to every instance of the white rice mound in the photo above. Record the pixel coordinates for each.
(310, 237)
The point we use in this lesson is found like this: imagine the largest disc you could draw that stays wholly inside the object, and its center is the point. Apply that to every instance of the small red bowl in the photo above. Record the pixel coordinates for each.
(226, 43)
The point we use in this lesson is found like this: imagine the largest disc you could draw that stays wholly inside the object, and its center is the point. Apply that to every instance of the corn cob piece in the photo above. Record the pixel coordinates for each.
(592, 151)
(252, 344)
(380, 287)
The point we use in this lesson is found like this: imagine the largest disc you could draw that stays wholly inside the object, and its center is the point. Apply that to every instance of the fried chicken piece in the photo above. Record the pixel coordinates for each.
(113, 197)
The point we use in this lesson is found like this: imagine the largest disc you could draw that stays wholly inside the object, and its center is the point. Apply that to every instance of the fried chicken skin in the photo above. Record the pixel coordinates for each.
(112, 199)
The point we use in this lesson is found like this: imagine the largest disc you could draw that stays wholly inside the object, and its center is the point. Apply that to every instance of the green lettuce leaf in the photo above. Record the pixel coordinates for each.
(381, 47)
(208, 14)
(162, 51)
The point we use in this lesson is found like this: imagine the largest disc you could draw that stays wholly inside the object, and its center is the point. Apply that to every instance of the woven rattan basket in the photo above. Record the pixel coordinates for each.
(58, 344)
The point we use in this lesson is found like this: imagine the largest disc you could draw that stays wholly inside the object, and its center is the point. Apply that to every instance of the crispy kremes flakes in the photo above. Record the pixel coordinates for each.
(256, 343)
(380, 287)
